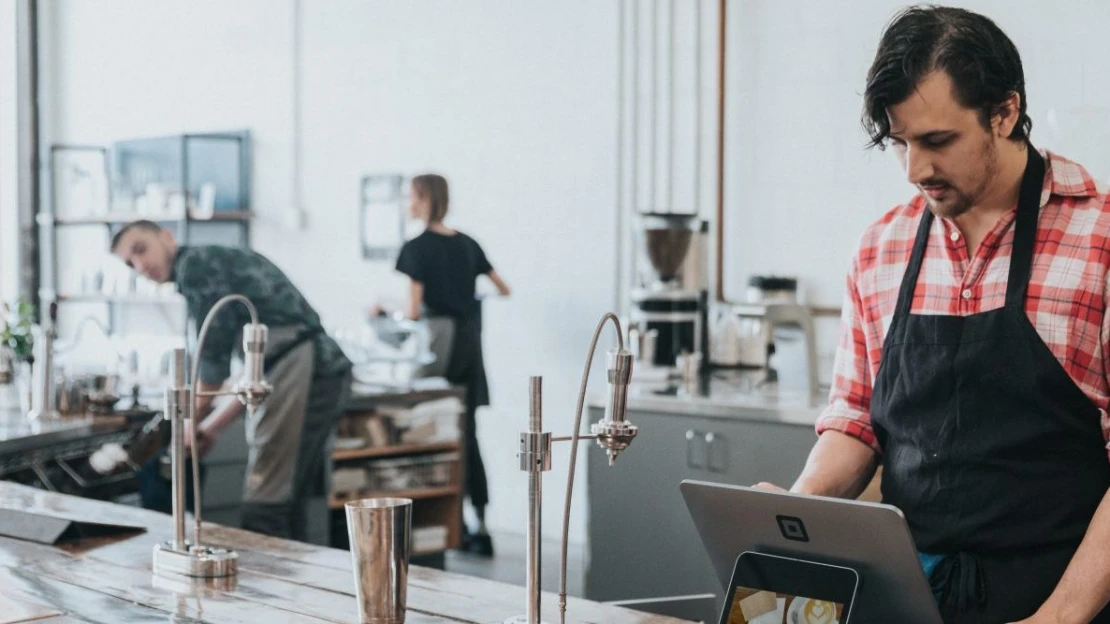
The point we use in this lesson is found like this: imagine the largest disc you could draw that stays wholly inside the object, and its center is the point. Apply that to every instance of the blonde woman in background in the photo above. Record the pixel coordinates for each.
(443, 265)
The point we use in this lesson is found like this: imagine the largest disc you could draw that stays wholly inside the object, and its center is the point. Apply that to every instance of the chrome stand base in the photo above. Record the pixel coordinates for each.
(201, 562)
(175, 582)
(520, 619)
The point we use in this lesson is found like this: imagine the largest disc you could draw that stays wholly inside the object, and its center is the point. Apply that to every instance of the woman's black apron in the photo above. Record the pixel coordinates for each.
(465, 364)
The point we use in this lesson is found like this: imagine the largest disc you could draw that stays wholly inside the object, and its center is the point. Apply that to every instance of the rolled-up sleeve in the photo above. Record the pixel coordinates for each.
(849, 409)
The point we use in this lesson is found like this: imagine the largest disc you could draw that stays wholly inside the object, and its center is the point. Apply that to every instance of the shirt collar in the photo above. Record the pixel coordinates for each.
(181, 249)
(1062, 177)
(1065, 178)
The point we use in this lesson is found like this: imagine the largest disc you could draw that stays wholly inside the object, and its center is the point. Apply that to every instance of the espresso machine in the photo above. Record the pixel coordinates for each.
(670, 298)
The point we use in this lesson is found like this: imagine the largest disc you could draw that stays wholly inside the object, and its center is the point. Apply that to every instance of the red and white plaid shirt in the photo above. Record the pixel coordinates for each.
(1066, 301)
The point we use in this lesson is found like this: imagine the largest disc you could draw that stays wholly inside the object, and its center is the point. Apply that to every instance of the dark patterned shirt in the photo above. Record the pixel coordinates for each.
(205, 274)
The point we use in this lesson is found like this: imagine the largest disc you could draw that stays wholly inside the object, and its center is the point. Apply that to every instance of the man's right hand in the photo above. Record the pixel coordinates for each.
(838, 466)
(205, 439)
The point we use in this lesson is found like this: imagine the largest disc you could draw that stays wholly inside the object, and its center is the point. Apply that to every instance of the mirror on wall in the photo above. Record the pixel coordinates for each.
(384, 223)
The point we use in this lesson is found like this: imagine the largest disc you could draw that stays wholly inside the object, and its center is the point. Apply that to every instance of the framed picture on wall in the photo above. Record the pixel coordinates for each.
(80, 182)
(382, 215)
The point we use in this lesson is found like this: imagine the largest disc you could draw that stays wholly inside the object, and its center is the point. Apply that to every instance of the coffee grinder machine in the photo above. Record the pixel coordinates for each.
(671, 294)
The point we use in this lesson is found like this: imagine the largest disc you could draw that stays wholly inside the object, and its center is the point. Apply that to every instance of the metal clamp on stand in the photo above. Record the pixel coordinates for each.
(613, 434)
(179, 556)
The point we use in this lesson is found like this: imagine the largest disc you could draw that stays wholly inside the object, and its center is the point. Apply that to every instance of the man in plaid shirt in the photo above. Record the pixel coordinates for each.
(972, 363)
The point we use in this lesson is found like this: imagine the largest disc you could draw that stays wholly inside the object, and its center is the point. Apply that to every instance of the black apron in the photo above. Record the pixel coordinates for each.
(155, 475)
(466, 366)
(994, 455)
(306, 334)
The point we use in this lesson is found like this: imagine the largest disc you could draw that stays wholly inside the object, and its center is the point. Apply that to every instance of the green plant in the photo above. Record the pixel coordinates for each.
(15, 331)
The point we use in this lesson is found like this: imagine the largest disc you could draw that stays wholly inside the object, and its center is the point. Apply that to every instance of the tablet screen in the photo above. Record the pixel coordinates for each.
(755, 606)
(769, 589)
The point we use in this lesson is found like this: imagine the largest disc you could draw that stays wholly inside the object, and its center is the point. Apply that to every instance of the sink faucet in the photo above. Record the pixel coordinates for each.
(613, 434)
(178, 556)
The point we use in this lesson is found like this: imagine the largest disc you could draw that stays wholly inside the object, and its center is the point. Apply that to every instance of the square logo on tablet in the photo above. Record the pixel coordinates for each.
(792, 528)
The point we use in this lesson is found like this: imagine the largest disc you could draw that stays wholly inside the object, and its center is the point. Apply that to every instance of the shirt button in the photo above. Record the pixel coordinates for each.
(955, 236)
(966, 294)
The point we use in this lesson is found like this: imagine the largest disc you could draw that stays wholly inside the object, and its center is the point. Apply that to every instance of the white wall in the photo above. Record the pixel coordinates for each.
(512, 103)
(9, 215)
(668, 125)
(801, 188)
(799, 185)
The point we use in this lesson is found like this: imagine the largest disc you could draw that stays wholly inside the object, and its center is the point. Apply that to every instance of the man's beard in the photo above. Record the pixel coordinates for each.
(958, 202)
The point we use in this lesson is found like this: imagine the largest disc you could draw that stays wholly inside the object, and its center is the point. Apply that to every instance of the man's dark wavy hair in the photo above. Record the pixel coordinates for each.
(983, 63)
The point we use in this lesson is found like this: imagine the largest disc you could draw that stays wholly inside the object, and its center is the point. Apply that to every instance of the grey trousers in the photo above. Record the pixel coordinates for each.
(288, 447)
(441, 337)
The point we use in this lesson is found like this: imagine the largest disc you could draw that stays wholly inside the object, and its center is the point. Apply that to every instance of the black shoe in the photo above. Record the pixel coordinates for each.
(479, 544)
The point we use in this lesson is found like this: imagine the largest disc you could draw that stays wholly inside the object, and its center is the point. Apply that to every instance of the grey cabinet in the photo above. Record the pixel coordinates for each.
(642, 543)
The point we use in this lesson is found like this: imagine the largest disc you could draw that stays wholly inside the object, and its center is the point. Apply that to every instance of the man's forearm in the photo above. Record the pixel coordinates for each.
(839, 465)
(219, 421)
(1085, 587)
(203, 403)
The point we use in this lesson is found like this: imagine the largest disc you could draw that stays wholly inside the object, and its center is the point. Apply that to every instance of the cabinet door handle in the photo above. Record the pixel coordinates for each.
(691, 439)
(716, 460)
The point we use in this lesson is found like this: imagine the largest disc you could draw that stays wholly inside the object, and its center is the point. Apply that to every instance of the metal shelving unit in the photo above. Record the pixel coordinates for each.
(120, 219)
(179, 162)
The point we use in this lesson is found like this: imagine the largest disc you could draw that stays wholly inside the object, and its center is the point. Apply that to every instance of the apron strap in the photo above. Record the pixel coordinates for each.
(909, 279)
(304, 336)
(1025, 228)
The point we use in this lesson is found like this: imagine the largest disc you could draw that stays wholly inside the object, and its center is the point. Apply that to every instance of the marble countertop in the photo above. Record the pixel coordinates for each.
(109, 579)
(725, 394)
(19, 434)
